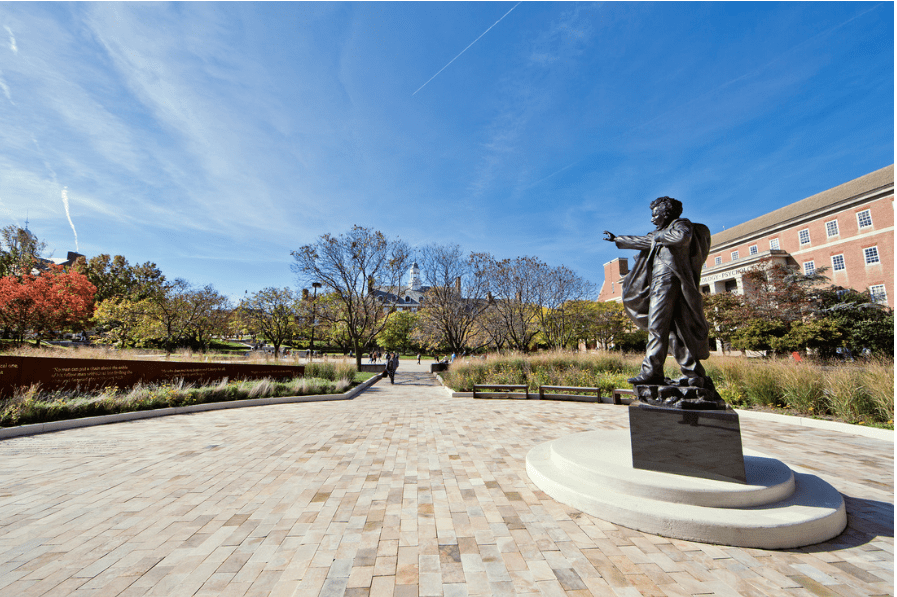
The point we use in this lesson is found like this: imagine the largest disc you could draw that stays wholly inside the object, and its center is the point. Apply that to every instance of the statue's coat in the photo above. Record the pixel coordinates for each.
(683, 246)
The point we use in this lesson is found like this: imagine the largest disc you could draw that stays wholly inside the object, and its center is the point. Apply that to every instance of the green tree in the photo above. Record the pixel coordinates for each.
(213, 317)
(725, 312)
(124, 322)
(114, 277)
(821, 335)
(271, 313)
(606, 323)
(863, 323)
(758, 334)
(20, 251)
(398, 333)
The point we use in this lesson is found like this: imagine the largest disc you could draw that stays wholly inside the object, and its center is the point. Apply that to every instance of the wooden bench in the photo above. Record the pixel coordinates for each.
(620, 392)
(490, 391)
(569, 393)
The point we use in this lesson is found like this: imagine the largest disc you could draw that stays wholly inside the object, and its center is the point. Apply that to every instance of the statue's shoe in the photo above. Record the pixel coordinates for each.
(647, 380)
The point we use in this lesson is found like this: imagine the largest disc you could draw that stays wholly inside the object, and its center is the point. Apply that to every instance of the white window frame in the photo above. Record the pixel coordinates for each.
(829, 226)
(871, 252)
(860, 218)
(718, 260)
(800, 237)
(835, 267)
(754, 250)
(809, 268)
(734, 255)
(774, 244)
(880, 291)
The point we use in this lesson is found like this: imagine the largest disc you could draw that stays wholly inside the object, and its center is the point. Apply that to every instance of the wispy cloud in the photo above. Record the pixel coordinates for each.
(65, 203)
(467, 48)
(526, 96)
(12, 41)
(5, 89)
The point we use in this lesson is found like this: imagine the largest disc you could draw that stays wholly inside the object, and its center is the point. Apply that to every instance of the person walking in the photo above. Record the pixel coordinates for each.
(391, 366)
(418, 358)
(395, 364)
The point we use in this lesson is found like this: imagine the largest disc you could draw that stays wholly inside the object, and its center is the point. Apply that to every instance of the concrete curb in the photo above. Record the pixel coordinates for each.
(38, 428)
(873, 432)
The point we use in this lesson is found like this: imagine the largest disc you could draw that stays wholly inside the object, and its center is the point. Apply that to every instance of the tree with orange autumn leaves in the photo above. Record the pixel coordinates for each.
(53, 299)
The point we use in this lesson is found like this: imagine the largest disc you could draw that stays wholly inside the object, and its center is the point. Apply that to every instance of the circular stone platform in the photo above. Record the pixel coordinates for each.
(776, 509)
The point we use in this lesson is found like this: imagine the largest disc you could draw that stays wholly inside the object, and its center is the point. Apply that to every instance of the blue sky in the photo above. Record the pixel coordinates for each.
(212, 139)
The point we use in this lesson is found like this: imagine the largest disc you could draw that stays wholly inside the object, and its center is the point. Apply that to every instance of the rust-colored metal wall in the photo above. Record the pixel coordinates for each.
(69, 374)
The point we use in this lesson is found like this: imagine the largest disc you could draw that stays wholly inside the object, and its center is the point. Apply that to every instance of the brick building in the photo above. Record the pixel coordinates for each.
(848, 229)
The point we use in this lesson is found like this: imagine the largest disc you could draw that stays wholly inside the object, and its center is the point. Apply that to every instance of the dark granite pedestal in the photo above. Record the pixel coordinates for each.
(697, 443)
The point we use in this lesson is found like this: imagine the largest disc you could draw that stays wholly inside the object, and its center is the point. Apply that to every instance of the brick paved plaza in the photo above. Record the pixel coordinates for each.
(402, 491)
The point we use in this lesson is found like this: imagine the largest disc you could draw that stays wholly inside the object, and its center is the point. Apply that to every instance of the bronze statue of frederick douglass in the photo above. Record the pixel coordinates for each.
(661, 294)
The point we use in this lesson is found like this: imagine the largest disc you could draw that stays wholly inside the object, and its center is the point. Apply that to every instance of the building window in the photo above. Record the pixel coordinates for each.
(754, 250)
(809, 268)
(879, 294)
(838, 263)
(717, 260)
(804, 236)
(774, 244)
(734, 255)
(864, 218)
(831, 228)
(871, 255)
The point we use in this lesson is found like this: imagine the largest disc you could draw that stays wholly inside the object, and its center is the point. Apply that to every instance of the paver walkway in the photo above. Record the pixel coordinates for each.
(403, 491)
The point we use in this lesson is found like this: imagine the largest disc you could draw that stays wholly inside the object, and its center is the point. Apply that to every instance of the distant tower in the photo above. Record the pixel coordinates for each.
(414, 282)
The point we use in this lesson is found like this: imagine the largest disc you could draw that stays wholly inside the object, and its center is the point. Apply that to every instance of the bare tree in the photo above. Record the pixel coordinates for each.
(355, 266)
(555, 289)
(516, 308)
(456, 298)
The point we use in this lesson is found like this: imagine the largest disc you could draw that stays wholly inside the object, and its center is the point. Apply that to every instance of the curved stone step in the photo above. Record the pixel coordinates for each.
(605, 459)
(593, 472)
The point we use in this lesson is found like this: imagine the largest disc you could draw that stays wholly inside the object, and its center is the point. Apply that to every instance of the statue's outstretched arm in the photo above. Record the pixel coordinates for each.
(634, 242)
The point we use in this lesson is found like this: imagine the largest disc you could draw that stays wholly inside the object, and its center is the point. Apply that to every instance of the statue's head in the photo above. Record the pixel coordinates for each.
(664, 210)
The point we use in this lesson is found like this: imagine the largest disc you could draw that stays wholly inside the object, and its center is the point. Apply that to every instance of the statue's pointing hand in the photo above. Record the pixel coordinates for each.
(609, 236)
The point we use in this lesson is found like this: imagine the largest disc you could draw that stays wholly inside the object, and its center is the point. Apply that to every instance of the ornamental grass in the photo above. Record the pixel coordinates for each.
(859, 392)
(32, 405)
(605, 371)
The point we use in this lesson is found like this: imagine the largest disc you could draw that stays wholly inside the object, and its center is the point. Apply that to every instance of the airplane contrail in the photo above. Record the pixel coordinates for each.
(65, 202)
(467, 48)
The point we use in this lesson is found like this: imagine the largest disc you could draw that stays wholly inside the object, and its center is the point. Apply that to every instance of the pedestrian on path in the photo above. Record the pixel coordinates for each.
(392, 363)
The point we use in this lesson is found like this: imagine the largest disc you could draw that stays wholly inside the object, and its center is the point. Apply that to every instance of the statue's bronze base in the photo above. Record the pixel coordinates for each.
(681, 395)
